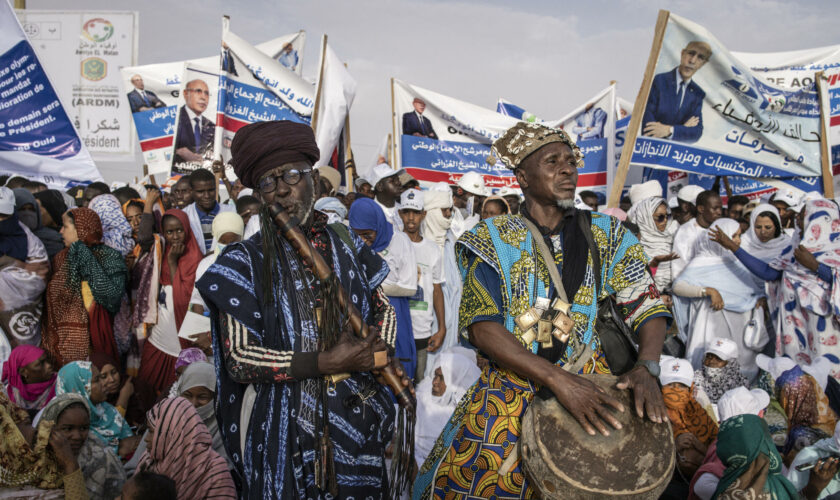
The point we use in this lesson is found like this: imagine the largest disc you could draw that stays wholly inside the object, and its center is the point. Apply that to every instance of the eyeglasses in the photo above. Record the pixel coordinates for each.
(699, 55)
(661, 218)
(290, 177)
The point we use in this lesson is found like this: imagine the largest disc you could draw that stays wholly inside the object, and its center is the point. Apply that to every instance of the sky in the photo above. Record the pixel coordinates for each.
(547, 56)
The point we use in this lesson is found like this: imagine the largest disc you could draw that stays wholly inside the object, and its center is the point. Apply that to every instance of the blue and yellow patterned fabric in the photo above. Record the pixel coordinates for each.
(503, 275)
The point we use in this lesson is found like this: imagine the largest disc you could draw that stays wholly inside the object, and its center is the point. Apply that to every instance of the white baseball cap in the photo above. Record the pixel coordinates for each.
(675, 370)
(725, 349)
(649, 189)
(742, 401)
(412, 199)
(689, 193)
(673, 203)
(787, 196)
(774, 366)
(472, 182)
(508, 191)
(382, 171)
(7, 201)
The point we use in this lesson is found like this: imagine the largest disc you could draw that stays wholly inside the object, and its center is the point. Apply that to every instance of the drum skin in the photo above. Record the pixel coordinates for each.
(563, 461)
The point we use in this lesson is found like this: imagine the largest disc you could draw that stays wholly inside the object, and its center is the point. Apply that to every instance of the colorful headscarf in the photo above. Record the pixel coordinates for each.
(806, 407)
(20, 463)
(101, 467)
(686, 414)
(184, 279)
(716, 381)
(189, 356)
(740, 441)
(181, 449)
(27, 396)
(115, 227)
(105, 421)
(365, 214)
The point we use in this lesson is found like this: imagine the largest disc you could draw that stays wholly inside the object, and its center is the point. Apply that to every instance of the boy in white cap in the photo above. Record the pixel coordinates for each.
(694, 429)
(427, 305)
(387, 188)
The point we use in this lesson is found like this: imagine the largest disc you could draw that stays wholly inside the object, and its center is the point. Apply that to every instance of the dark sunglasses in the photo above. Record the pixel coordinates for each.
(661, 218)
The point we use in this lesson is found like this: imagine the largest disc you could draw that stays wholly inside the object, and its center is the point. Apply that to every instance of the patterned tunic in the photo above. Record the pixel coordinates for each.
(503, 275)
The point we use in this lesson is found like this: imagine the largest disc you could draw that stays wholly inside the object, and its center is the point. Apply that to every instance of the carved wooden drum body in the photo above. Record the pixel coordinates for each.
(563, 461)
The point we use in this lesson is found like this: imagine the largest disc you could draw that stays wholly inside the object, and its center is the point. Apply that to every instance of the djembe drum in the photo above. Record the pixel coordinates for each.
(563, 461)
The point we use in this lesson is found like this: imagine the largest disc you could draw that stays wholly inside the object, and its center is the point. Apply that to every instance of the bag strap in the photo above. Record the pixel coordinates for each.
(548, 259)
(585, 221)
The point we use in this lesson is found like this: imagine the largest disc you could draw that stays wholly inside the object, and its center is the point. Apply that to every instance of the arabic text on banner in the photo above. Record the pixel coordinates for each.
(440, 138)
(708, 113)
(254, 87)
(831, 98)
(154, 90)
(83, 52)
(37, 138)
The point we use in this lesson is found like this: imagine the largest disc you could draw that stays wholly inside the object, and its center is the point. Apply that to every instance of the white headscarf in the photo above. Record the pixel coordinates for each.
(769, 250)
(654, 241)
(435, 225)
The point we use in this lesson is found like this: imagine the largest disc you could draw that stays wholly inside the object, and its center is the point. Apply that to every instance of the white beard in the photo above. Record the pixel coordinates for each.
(566, 204)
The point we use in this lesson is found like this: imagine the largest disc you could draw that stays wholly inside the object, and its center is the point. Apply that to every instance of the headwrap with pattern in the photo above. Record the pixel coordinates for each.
(519, 141)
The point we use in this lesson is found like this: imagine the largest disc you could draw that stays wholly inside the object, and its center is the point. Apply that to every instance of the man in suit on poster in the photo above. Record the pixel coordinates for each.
(414, 123)
(674, 105)
(195, 132)
(141, 99)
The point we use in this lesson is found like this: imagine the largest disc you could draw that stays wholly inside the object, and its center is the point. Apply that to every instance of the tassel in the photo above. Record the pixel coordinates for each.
(402, 456)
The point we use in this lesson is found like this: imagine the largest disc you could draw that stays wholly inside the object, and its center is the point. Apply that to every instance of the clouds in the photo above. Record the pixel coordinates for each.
(544, 55)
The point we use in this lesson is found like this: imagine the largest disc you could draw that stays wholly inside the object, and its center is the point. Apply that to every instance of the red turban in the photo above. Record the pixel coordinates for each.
(260, 147)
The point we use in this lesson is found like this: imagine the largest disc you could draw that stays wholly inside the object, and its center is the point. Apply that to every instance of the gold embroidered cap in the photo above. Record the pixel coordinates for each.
(519, 141)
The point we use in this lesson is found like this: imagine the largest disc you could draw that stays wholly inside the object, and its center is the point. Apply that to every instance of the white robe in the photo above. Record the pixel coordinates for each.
(684, 242)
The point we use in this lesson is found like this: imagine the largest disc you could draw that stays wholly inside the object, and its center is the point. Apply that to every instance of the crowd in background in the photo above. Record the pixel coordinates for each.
(108, 375)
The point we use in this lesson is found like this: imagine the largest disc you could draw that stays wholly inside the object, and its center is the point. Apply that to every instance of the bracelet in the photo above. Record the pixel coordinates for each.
(703, 291)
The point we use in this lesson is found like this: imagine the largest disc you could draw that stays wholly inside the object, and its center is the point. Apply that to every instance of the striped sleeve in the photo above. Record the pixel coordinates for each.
(384, 318)
(248, 361)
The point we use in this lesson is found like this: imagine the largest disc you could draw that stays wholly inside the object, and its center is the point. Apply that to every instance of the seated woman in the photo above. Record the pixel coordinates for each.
(29, 378)
(720, 372)
(771, 369)
(738, 401)
(106, 423)
(69, 416)
(803, 292)
(85, 291)
(455, 371)
(810, 418)
(715, 273)
(753, 467)
(119, 389)
(197, 384)
(179, 446)
(694, 429)
(177, 279)
(820, 480)
(29, 468)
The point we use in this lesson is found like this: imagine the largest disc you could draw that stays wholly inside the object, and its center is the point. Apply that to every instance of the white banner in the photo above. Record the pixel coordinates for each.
(336, 89)
(708, 113)
(83, 52)
(440, 138)
(255, 87)
(794, 69)
(155, 123)
(37, 137)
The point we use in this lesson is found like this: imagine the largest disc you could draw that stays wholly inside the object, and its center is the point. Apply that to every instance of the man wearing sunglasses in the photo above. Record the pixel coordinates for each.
(195, 132)
(675, 100)
(276, 339)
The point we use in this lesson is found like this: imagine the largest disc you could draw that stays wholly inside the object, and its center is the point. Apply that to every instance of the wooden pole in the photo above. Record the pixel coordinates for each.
(638, 111)
(394, 131)
(388, 151)
(320, 81)
(20, 4)
(825, 153)
(348, 154)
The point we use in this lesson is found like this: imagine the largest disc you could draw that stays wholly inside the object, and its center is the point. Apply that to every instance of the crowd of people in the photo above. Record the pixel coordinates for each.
(140, 329)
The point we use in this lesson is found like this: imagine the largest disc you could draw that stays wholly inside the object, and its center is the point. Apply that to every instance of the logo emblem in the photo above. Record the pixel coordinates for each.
(98, 30)
(94, 68)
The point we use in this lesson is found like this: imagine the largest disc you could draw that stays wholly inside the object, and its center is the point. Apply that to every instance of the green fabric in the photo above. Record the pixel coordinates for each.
(103, 268)
(740, 440)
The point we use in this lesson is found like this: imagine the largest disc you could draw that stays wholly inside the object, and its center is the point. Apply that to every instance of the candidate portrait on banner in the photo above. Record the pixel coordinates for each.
(590, 123)
(140, 99)
(289, 57)
(414, 123)
(674, 105)
(195, 132)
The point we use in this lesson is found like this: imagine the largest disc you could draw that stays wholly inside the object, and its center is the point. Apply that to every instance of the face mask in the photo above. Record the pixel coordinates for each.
(332, 217)
(220, 247)
(29, 219)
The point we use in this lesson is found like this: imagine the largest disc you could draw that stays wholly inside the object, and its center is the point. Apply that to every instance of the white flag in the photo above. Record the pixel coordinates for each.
(336, 91)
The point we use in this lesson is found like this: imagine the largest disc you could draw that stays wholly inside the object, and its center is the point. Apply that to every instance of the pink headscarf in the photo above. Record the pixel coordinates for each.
(182, 449)
(27, 396)
(615, 212)
(189, 356)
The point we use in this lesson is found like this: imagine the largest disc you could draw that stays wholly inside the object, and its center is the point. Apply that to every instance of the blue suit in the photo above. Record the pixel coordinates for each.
(595, 118)
(186, 135)
(136, 101)
(411, 125)
(663, 106)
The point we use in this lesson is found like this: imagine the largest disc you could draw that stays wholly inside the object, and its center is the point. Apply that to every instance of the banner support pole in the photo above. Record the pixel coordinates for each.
(825, 153)
(638, 111)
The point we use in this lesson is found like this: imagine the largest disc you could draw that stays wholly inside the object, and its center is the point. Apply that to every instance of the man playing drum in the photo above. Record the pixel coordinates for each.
(513, 312)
